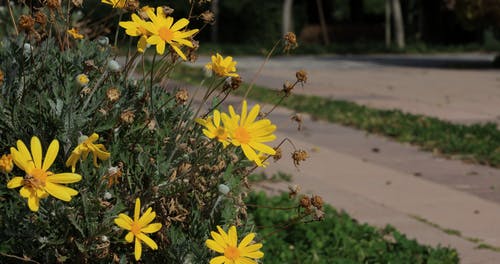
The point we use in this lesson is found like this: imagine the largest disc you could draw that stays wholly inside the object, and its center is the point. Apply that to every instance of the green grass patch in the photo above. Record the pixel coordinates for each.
(336, 239)
(476, 143)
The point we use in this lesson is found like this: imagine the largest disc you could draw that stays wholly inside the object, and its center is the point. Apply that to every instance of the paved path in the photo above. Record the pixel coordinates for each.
(383, 182)
(460, 88)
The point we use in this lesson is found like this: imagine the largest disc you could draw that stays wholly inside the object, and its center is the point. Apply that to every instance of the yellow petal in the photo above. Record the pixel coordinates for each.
(138, 249)
(129, 237)
(147, 217)
(119, 221)
(233, 237)
(15, 182)
(254, 254)
(36, 151)
(244, 260)
(178, 51)
(243, 112)
(148, 241)
(25, 192)
(181, 23)
(245, 241)
(252, 115)
(151, 228)
(219, 260)
(64, 178)
(51, 154)
(262, 148)
(25, 153)
(222, 233)
(60, 192)
(33, 203)
(219, 239)
(211, 244)
(251, 249)
(137, 209)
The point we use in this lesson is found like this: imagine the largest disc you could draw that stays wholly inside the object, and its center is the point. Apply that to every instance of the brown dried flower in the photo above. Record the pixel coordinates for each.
(1, 77)
(184, 168)
(232, 83)
(317, 201)
(297, 118)
(167, 10)
(181, 96)
(318, 215)
(53, 4)
(132, 5)
(294, 190)
(77, 3)
(277, 156)
(27, 23)
(290, 41)
(305, 202)
(298, 156)
(301, 76)
(287, 88)
(113, 94)
(113, 174)
(208, 17)
(127, 116)
(191, 54)
(41, 18)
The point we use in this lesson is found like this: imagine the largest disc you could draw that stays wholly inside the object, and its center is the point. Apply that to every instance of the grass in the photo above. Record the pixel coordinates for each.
(477, 143)
(336, 239)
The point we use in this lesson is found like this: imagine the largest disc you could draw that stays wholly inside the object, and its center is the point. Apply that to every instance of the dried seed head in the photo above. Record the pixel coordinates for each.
(77, 3)
(53, 4)
(1, 77)
(208, 17)
(181, 96)
(143, 12)
(297, 118)
(305, 202)
(184, 168)
(191, 54)
(167, 10)
(277, 156)
(318, 215)
(232, 83)
(151, 124)
(298, 156)
(294, 190)
(127, 116)
(114, 173)
(132, 5)
(113, 94)
(301, 76)
(287, 88)
(317, 201)
(27, 23)
(290, 41)
(41, 18)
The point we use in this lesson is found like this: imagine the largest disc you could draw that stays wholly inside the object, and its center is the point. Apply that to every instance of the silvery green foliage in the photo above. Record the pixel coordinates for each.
(171, 167)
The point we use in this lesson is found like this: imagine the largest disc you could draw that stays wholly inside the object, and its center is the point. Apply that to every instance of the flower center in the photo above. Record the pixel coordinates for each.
(242, 135)
(221, 133)
(136, 228)
(36, 178)
(166, 34)
(232, 253)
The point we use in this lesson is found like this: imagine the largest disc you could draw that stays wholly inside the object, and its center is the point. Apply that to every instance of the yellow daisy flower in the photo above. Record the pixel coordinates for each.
(227, 244)
(222, 66)
(138, 227)
(6, 164)
(115, 3)
(39, 182)
(164, 30)
(213, 128)
(137, 28)
(74, 33)
(86, 145)
(249, 134)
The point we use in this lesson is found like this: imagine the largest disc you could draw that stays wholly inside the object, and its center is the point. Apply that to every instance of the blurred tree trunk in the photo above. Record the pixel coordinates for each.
(324, 30)
(215, 27)
(388, 23)
(398, 24)
(287, 17)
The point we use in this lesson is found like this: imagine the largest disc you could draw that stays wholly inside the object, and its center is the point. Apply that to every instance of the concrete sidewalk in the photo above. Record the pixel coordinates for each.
(380, 195)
